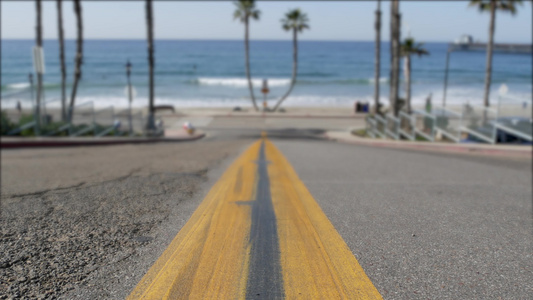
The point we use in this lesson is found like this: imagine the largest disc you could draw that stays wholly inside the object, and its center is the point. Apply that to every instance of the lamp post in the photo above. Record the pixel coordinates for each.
(446, 76)
(30, 77)
(265, 91)
(128, 73)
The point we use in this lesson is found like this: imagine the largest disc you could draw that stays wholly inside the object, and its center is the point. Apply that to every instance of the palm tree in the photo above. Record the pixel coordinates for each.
(378, 57)
(492, 6)
(408, 48)
(296, 21)
(39, 42)
(79, 57)
(395, 55)
(62, 59)
(150, 29)
(245, 10)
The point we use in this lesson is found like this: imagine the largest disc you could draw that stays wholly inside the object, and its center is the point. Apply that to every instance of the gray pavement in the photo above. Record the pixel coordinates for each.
(425, 225)
(422, 225)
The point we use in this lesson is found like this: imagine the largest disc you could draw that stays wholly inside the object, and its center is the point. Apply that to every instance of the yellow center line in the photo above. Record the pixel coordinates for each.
(210, 257)
(316, 262)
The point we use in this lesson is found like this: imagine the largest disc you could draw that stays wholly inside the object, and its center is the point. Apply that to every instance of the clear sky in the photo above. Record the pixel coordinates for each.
(330, 20)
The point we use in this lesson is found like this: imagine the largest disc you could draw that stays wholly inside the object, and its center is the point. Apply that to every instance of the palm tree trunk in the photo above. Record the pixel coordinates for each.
(247, 61)
(62, 60)
(79, 57)
(39, 42)
(377, 59)
(488, 71)
(395, 55)
(408, 83)
(149, 25)
(294, 68)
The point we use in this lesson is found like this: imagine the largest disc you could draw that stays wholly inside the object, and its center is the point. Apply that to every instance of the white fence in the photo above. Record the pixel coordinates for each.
(510, 120)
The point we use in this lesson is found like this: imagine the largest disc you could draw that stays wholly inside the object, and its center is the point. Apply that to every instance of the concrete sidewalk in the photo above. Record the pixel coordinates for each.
(519, 151)
(171, 135)
(267, 115)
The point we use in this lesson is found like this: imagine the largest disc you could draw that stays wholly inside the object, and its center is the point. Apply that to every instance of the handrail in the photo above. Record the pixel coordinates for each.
(424, 113)
(514, 131)
(85, 130)
(107, 108)
(446, 110)
(19, 129)
(60, 129)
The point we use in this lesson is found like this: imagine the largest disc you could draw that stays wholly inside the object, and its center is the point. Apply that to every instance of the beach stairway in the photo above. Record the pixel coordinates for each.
(86, 119)
(510, 121)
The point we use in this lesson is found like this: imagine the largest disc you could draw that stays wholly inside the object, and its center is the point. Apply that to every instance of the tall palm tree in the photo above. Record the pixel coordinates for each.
(62, 59)
(150, 38)
(377, 58)
(296, 21)
(39, 42)
(79, 56)
(245, 10)
(492, 6)
(408, 48)
(395, 55)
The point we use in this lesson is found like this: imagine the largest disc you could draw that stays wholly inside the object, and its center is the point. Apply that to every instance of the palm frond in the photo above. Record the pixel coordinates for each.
(237, 15)
(245, 10)
(255, 14)
(501, 5)
(295, 19)
(409, 47)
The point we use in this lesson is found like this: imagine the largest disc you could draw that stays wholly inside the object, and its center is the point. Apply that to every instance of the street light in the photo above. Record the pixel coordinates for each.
(265, 91)
(446, 75)
(128, 73)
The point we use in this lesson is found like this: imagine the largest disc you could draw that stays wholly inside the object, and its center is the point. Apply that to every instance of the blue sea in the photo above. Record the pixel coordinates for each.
(211, 73)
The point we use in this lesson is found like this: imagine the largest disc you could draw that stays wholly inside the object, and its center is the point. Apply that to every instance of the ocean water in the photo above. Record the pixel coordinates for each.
(211, 73)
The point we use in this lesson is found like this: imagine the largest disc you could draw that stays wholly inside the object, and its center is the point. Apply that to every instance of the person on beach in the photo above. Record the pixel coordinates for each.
(19, 107)
(428, 103)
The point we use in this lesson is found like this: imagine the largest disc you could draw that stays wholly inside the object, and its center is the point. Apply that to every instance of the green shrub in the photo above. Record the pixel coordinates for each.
(23, 120)
(7, 125)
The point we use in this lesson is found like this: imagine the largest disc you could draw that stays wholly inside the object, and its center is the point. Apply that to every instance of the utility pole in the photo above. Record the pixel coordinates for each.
(128, 72)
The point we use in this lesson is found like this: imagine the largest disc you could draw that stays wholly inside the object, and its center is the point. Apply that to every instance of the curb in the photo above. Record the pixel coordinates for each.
(526, 152)
(77, 142)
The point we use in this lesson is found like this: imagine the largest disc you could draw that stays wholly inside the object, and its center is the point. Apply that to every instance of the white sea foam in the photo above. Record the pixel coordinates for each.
(381, 80)
(455, 96)
(18, 85)
(241, 82)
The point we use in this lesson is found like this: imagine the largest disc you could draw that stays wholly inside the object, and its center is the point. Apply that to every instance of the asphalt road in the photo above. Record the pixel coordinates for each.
(423, 225)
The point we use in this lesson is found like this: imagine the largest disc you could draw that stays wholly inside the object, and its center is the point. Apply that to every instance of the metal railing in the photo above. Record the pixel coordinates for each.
(448, 123)
(25, 95)
(83, 119)
(514, 118)
(381, 126)
(423, 124)
(407, 126)
(370, 126)
(104, 121)
(392, 126)
(510, 120)
(479, 122)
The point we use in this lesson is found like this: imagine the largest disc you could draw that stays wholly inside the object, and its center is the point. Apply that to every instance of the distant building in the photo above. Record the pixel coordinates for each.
(464, 39)
(466, 43)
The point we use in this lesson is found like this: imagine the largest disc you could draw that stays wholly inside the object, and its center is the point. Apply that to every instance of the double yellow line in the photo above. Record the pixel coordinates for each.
(210, 256)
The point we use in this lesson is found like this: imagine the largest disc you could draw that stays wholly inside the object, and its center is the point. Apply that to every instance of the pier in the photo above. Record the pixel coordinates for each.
(502, 48)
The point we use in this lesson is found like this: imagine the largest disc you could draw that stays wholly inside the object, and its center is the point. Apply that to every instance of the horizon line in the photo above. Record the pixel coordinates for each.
(202, 39)
(238, 40)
